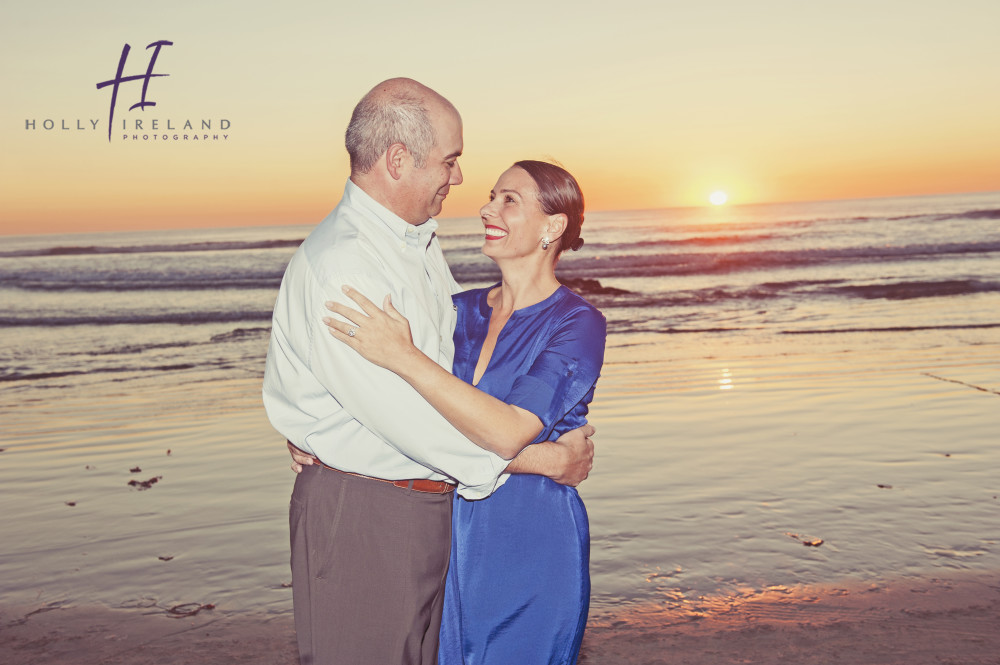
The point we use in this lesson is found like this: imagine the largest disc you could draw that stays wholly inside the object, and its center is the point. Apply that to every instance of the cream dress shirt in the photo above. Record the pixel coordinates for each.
(328, 400)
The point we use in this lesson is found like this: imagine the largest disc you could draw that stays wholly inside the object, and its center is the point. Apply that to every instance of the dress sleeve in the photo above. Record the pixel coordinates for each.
(564, 373)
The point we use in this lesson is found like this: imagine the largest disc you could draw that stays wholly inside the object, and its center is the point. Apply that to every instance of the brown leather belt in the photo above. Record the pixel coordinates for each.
(417, 484)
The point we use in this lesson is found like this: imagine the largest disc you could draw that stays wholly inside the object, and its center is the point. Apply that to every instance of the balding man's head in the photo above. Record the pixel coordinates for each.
(395, 111)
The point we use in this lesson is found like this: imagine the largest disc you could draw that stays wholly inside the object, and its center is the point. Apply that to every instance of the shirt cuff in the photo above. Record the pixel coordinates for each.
(474, 492)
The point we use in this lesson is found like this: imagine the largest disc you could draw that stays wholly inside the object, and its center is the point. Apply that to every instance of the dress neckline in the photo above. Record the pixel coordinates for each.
(485, 309)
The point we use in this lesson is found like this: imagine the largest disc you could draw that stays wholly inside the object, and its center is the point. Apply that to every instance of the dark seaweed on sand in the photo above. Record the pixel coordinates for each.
(145, 484)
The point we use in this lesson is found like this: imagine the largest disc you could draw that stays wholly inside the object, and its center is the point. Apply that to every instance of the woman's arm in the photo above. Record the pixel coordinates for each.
(383, 337)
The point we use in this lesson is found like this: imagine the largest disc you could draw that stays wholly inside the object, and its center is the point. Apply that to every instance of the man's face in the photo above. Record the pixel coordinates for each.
(427, 187)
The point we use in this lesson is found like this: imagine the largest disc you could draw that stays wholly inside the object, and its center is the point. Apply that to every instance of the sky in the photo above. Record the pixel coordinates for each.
(650, 104)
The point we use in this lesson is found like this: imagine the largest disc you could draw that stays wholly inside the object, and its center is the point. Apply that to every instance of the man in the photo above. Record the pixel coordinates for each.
(369, 555)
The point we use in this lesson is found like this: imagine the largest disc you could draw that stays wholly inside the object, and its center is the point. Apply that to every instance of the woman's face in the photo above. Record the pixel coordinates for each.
(514, 220)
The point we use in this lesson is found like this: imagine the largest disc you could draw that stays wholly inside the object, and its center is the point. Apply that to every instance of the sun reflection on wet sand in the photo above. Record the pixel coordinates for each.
(726, 382)
(951, 619)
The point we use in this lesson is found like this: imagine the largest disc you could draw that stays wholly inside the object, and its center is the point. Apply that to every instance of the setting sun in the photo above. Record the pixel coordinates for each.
(718, 198)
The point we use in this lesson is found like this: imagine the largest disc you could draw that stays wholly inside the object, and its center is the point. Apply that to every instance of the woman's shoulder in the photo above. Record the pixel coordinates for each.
(470, 297)
(572, 303)
(574, 313)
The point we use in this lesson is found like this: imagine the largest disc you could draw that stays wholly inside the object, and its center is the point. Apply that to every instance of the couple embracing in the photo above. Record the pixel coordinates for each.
(438, 433)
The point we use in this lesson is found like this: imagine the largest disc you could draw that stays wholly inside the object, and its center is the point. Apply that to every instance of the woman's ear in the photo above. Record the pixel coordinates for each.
(556, 225)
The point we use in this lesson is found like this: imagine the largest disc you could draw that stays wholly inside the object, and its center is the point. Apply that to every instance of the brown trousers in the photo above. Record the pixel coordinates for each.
(369, 562)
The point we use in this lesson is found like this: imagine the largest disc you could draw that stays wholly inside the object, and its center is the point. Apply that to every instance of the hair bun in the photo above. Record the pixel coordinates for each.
(577, 244)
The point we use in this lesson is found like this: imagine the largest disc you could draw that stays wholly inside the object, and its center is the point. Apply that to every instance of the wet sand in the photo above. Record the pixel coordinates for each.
(912, 622)
(96, 635)
(712, 471)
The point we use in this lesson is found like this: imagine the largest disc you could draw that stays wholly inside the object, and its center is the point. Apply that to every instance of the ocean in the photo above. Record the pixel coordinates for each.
(777, 375)
(107, 307)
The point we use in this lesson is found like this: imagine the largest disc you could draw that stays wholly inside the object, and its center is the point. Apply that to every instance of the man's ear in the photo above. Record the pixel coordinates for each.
(395, 160)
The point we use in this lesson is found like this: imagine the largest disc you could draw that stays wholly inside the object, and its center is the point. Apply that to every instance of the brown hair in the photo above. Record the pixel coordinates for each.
(558, 193)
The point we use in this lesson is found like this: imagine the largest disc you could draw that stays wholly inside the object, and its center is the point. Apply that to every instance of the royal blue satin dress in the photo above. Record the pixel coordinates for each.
(518, 586)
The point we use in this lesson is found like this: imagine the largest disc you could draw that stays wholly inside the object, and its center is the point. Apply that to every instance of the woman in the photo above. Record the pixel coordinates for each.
(528, 352)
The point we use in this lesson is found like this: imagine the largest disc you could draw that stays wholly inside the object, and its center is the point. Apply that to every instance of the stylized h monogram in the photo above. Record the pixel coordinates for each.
(119, 79)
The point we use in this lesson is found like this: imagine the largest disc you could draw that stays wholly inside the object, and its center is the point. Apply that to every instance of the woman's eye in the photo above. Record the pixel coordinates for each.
(508, 199)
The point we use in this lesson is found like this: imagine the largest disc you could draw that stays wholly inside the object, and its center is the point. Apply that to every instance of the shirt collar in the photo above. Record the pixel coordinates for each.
(412, 235)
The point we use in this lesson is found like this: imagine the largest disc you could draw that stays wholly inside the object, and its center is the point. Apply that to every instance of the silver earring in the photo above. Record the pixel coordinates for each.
(545, 242)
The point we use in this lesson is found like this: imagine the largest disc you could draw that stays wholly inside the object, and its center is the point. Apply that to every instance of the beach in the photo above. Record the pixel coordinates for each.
(796, 473)
(906, 573)
(917, 623)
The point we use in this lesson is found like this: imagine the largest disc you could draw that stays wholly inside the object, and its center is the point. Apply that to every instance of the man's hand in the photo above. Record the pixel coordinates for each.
(579, 456)
(568, 460)
(301, 458)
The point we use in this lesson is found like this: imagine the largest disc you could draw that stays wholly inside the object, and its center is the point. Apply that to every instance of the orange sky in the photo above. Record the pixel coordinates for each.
(650, 104)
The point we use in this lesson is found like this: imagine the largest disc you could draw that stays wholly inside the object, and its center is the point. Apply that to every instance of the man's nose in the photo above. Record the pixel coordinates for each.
(456, 175)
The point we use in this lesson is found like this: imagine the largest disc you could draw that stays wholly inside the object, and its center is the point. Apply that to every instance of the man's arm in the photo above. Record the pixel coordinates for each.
(388, 409)
(568, 460)
(383, 337)
(503, 426)
(386, 406)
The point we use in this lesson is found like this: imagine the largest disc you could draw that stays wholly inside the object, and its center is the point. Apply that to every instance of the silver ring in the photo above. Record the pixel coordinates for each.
(352, 332)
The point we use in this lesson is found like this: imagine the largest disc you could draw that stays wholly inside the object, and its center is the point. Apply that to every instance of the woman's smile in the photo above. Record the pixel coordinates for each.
(495, 232)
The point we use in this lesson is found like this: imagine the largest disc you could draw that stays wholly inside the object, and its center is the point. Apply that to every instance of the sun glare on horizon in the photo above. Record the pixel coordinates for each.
(718, 198)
